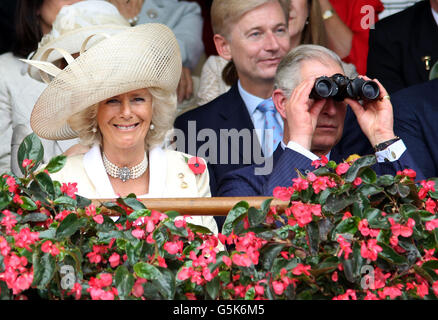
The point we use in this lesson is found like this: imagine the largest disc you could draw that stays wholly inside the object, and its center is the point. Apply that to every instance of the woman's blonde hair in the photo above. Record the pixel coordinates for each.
(163, 115)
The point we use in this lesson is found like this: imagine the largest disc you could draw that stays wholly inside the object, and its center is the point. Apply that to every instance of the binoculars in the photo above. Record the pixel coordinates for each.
(338, 87)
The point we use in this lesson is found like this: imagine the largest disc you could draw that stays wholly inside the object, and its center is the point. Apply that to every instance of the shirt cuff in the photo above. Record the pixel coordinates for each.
(392, 153)
(300, 149)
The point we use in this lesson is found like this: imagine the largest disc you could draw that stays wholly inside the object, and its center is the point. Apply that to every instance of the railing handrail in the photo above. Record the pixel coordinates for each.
(214, 206)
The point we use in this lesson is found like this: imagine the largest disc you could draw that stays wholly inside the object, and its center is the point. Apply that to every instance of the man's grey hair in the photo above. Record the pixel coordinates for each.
(288, 75)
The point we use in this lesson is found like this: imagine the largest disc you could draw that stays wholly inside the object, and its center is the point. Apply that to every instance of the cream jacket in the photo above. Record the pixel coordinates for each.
(170, 177)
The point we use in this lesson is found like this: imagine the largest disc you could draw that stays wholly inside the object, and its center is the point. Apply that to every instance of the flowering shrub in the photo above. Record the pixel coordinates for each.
(346, 234)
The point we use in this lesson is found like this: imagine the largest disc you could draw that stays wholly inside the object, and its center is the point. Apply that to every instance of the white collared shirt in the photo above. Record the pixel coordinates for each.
(391, 153)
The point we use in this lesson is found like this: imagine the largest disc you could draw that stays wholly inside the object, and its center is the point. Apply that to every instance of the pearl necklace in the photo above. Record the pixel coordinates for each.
(125, 173)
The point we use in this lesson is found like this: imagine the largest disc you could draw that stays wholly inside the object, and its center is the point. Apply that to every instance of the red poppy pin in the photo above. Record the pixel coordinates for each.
(196, 164)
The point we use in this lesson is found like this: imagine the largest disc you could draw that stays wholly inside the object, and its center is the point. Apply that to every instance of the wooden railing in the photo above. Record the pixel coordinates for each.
(215, 206)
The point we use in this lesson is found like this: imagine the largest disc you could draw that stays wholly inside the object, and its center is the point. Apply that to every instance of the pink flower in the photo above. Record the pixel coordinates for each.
(346, 215)
(114, 260)
(335, 276)
(48, 247)
(320, 162)
(10, 181)
(426, 187)
(370, 296)
(98, 219)
(391, 292)
(26, 162)
(90, 210)
(300, 184)
(76, 291)
(370, 250)
(357, 181)
(227, 261)
(342, 168)
(345, 247)
(138, 233)
(185, 273)
(283, 193)
(138, 289)
(431, 225)
(69, 189)
(300, 269)
(407, 173)
(435, 288)
(173, 247)
(278, 287)
(398, 229)
(242, 260)
(430, 205)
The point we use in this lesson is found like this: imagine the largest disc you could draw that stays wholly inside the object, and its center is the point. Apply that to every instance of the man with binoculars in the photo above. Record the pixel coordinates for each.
(311, 94)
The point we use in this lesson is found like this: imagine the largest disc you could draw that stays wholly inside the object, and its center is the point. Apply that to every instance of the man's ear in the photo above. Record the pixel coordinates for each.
(222, 46)
(280, 101)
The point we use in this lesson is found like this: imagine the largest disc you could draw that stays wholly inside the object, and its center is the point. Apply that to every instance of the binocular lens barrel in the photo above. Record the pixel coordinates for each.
(370, 90)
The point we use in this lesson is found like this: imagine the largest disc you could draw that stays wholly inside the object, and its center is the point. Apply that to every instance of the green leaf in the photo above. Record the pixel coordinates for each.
(165, 283)
(124, 282)
(55, 164)
(348, 225)
(198, 229)
(233, 217)
(139, 213)
(132, 202)
(172, 214)
(313, 237)
(368, 175)
(43, 269)
(369, 189)
(375, 219)
(68, 226)
(146, 271)
(31, 148)
(336, 203)
(45, 183)
(362, 162)
(65, 200)
(34, 217)
(385, 180)
(268, 254)
(250, 294)
(255, 216)
(5, 200)
(182, 232)
(28, 204)
(390, 255)
(212, 287)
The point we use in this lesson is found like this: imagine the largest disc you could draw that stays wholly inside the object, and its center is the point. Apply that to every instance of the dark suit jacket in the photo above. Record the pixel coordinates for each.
(397, 45)
(243, 182)
(226, 112)
(415, 121)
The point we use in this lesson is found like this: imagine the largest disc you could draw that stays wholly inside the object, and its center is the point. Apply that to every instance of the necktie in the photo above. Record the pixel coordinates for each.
(272, 133)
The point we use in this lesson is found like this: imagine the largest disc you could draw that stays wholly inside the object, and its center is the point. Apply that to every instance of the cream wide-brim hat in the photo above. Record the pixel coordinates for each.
(144, 56)
(73, 25)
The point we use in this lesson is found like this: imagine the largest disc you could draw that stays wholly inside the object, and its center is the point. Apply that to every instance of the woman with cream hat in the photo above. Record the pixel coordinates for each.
(18, 92)
(119, 98)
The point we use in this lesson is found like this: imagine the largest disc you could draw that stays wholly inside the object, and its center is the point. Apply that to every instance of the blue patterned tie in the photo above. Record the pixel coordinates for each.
(272, 133)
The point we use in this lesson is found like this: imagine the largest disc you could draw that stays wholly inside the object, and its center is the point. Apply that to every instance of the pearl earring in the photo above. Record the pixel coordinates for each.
(152, 127)
(94, 129)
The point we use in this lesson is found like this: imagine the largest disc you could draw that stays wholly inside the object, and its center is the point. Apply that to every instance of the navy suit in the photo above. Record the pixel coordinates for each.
(415, 121)
(244, 182)
(226, 112)
(397, 45)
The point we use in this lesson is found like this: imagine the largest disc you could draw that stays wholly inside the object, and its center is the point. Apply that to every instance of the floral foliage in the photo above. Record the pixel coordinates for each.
(346, 234)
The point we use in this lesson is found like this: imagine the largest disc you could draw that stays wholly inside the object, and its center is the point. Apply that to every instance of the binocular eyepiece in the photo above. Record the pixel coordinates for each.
(338, 87)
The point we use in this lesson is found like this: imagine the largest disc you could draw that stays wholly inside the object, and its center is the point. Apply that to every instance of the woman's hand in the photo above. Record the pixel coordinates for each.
(185, 86)
(376, 117)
